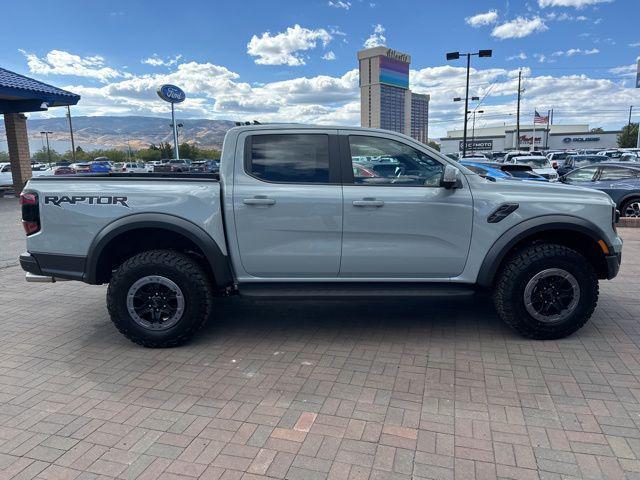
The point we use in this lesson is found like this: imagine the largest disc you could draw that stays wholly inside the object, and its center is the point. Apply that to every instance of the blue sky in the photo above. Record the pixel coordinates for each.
(295, 61)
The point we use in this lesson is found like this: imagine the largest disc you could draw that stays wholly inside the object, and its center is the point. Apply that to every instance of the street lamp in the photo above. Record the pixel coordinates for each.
(456, 56)
(46, 134)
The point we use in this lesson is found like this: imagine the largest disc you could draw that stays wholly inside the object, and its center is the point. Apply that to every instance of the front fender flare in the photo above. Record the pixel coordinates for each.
(503, 245)
(218, 261)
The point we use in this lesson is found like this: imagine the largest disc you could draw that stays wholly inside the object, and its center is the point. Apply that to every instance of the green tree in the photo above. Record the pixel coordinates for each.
(148, 154)
(434, 145)
(628, 137)
(4, 156)
(42, 155)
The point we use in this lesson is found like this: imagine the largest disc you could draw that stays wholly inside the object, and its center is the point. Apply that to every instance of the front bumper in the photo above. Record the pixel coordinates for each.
(613, 264)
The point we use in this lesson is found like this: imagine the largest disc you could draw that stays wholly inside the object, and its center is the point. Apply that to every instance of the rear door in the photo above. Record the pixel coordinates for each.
(287, 202)
(400, 223)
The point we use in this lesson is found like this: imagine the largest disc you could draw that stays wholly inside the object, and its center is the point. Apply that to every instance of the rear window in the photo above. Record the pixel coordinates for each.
(289, 158)
(617, 173)
(534, 162)
(580, 161)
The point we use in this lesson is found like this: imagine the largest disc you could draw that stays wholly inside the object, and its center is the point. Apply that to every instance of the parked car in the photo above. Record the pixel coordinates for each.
(176, 166)
(621, 181)
(63, 170)
(133, 167)
(557, 159)
(540, 165)
(505, 171)
(293, 220)
(100, 166)
(204, 166)
(629, 157)
(574, 161)
(507, 157)
(6, 178)
(150, 166)
(81, 167)
(614, 153)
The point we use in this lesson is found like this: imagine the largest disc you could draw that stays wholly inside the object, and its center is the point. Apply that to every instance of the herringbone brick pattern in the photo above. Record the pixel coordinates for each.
(389, 389)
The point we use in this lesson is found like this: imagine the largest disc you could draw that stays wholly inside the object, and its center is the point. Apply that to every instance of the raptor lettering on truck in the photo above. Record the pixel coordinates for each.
(89, 199)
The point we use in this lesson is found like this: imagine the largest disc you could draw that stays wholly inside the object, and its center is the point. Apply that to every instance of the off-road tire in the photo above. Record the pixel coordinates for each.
(181, 269)
(518, 270)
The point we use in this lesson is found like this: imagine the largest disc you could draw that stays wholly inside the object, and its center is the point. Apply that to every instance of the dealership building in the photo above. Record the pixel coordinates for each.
(552, 137)
(385, 98)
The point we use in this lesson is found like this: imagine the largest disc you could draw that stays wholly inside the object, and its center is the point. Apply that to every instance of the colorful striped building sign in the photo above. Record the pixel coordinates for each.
(394, 72)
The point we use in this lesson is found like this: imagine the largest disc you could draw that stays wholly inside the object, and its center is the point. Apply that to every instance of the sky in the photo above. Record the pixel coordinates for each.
(295, 61)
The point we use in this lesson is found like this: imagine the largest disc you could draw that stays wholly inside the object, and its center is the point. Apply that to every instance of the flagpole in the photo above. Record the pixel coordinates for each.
(533, 140)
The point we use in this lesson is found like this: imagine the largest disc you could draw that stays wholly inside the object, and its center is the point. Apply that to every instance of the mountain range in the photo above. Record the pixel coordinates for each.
(118, 132)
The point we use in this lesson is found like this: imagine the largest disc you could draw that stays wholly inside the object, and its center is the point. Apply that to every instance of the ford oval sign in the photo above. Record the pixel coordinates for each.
(171, 93)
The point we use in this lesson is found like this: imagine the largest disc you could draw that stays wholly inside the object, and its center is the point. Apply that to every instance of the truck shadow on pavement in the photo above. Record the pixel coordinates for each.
(357, 318)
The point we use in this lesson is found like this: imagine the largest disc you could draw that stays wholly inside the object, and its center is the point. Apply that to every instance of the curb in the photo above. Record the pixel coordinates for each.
(628, 222)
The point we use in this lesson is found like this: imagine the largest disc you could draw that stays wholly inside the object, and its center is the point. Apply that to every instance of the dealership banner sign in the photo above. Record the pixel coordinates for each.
(477, 145)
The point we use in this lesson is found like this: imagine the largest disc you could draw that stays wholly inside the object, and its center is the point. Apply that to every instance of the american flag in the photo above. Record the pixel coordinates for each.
(537, 118)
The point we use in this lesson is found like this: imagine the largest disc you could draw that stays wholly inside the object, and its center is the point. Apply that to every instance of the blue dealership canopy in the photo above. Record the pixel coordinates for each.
(23, 94)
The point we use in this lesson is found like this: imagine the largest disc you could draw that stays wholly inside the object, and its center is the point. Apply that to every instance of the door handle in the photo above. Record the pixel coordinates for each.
(368, 202)
(259, 200)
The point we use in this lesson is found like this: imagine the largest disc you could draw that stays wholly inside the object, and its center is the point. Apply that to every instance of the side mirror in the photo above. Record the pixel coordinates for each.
(450, 177)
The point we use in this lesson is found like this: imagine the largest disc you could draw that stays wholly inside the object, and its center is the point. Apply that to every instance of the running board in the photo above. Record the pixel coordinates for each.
(350, 290)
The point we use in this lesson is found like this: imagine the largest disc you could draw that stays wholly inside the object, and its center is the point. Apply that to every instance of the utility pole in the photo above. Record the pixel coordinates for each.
(73, 144)
(630, 110)
(518, 110)
(46, 134)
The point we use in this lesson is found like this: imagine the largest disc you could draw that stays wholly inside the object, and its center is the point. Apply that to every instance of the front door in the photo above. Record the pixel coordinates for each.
(287, 203)
(398, 221)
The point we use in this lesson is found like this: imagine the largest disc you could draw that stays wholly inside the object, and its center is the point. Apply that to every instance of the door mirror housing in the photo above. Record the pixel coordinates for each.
(450, 177)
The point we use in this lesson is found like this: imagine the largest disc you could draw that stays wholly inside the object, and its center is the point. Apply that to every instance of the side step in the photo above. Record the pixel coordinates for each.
(350, 290)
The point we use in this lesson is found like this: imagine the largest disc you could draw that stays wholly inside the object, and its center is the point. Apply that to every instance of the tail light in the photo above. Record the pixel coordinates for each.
(30, 212)
(124, 169)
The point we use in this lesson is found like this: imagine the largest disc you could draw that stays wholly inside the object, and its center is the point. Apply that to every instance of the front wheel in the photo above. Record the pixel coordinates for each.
(631, 208)
(159, 298)
(546, 291)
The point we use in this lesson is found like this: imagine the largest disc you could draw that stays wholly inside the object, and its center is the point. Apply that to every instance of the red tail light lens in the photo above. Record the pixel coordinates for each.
(30, 212)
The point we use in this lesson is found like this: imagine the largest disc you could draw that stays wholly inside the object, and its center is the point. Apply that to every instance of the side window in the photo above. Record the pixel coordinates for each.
(614, 173)
(289, 158)
(582, 174)
(380, 161)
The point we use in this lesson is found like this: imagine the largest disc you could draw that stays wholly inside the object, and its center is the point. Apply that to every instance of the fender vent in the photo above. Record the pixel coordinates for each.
(502, 212)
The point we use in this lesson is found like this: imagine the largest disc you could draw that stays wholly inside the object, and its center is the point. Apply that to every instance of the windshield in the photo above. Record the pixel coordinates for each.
(534, 162)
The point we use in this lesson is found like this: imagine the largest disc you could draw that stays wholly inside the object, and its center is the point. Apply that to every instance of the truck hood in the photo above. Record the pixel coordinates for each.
(542, 192)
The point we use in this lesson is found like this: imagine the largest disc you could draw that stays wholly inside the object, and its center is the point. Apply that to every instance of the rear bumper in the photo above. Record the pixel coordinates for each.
(613, 265)
(68, 267)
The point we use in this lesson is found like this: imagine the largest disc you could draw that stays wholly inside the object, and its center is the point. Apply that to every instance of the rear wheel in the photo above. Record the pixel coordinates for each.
(631, 208)
(159, 298)
(546, 291)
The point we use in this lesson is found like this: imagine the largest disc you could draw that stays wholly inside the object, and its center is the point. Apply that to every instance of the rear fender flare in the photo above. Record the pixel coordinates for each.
(218, 261)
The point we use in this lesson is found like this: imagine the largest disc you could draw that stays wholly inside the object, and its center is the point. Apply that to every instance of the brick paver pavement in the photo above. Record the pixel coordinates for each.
(309, 390)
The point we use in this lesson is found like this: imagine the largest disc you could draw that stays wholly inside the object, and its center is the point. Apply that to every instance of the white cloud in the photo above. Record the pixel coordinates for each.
(634, 44)
(339, 4)
(284, 48)
(59, 62)
(377, 38)
(481, 19)
(570, 3)
(575, 51)
(519, 56)
(329, 55)
(156, 61)
(518, 28)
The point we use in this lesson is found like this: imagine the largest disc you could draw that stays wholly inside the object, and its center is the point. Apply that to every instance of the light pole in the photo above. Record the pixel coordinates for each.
(456, 56)
(473, 130)
(46, 134)
(464, 143)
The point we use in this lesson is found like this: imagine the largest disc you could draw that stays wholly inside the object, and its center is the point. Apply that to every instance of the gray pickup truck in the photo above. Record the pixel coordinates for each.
(308, 211)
